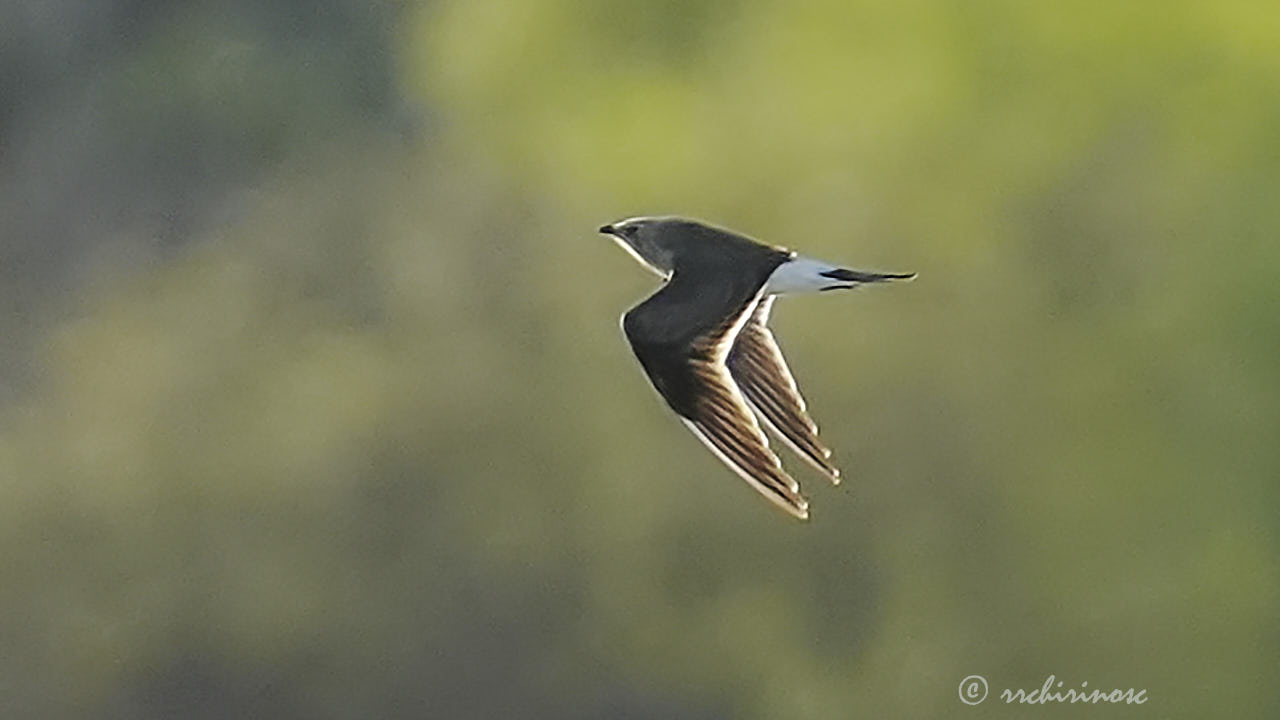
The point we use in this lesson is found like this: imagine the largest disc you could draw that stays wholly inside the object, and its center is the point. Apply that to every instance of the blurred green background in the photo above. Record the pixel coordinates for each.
(313, 401)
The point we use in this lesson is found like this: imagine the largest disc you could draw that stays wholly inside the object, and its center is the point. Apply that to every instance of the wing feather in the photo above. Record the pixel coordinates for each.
(694, 380)
(757, 365)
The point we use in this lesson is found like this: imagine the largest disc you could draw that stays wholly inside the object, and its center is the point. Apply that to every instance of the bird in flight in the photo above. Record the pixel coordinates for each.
(703, 339)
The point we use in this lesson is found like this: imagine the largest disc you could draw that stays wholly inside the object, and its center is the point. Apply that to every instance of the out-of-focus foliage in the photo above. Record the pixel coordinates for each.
(129, 128)
(362, 438)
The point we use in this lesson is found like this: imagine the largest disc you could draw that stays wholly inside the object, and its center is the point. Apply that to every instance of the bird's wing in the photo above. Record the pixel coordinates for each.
(682, 337)
(757, 365)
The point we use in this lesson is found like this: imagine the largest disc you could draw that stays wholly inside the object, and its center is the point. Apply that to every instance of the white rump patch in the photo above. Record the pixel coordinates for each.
(801, 274)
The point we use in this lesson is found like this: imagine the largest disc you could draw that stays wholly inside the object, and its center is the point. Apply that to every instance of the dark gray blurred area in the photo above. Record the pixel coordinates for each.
(128, 127)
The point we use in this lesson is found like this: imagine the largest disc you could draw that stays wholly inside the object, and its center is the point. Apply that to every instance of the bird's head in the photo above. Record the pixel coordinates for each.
(650, 240)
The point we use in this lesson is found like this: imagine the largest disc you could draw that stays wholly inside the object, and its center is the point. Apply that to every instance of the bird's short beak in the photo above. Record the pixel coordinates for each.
(607, 229)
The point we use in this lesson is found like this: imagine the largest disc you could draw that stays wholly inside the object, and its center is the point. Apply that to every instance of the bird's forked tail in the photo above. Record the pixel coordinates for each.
(802, 274)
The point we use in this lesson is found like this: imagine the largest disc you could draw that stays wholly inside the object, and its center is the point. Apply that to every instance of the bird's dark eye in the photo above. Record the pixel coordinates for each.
(630, 230)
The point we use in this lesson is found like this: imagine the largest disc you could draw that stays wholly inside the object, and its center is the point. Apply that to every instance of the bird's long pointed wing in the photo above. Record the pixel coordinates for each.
(696, 383)
(757, 365)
